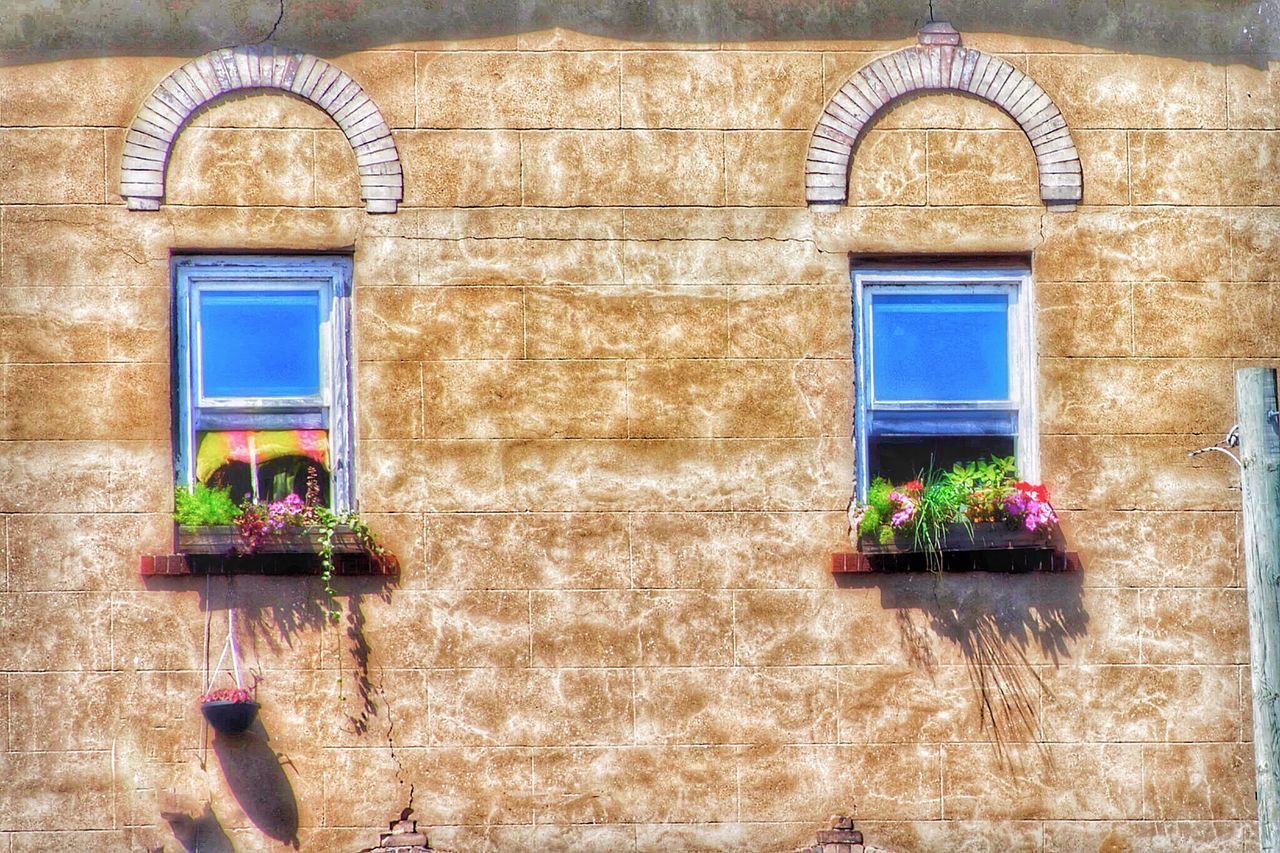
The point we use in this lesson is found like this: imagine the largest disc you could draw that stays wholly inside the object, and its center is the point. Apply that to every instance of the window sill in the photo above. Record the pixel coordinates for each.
(217, 551)
(992, 547)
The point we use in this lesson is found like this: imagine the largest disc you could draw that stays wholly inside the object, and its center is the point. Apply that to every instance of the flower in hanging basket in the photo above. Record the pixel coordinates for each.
(229, 711)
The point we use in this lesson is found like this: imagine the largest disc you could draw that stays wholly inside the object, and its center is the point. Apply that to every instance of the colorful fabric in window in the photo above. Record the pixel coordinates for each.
(218, 448)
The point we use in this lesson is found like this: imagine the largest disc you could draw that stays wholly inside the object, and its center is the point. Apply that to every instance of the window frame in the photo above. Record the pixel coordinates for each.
(331, 409)
(1014, 280)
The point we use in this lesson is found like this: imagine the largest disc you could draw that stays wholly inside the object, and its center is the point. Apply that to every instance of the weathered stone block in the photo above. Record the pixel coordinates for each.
(56, 791)
(451, 629)
(1115, 472)
(88, 324)
(517, 90)
(735, 705)
(92, 247)
(1165, 835)
(537, 707)
(790, 322)
(468, 785)
(586, 628)
(761, 167)
(526, 551)
(525, 399)
(1113, 91)
(390, 394)
(788, 782)
(241, 167)
(1255, 245)
(629, 784)
(1089, 319)
(1253, 96)
(70, 632)
(91, 92)
(935, 704)
(57, 165)
(101, 401)
(981, 167)
(1207, 319)
(1135, 396)
(1054, 781)
(685, 628)
(810, 628)
(625, 167)
(1147, 704)
(889, 168)
(625, 322)
(456, 168)
(85, 476)
(718, 550)
(1204, 167)
(738, 399)
(701, 262)
(82, 552)
(1203, 626)
(411, 323)
(1156, 549)
(1198, 781)
(1134, 244)
(721, 89)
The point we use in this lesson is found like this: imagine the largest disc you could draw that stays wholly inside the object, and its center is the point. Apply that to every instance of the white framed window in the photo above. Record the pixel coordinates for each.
(262, 374)
(944, 369)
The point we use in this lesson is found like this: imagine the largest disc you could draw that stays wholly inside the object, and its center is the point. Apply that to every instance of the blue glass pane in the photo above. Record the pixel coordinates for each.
(261, 343)
(940, 347)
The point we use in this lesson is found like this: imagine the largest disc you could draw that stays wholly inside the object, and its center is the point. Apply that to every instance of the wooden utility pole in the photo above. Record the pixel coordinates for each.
(1260, 483)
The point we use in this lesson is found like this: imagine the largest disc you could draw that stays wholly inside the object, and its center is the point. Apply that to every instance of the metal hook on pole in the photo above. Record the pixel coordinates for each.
(1232, 439)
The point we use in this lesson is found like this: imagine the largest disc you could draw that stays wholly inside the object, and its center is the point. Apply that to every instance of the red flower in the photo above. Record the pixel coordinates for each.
(913, 486)
(228, 695)
(1039, 492)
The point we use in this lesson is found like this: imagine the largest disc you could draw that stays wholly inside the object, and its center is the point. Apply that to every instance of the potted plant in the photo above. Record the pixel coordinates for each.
(211, 523)
(230, 711)
(979, 505)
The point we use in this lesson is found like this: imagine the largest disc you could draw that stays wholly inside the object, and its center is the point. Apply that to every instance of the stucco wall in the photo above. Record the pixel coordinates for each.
(604, 393)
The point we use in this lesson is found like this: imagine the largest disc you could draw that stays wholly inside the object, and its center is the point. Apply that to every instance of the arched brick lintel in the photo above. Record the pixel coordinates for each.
(206, 78)
(940, 64)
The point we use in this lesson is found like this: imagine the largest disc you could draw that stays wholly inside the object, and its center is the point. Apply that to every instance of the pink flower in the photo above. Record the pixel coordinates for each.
(1029, 505)
(904, 509)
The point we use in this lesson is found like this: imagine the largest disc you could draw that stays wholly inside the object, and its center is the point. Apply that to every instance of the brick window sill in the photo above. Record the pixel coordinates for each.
(216, 551)
(991, 548)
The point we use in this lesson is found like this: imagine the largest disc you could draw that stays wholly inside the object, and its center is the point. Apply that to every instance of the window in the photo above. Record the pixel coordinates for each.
(262, 375)
(944, 361)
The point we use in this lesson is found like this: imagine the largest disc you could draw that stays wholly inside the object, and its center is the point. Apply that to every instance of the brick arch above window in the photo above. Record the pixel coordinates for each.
(939, 64)
(259, 68)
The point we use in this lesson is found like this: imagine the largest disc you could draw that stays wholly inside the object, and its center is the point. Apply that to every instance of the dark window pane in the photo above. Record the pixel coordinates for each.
(263, 343)
(903, 458)
(940, 346)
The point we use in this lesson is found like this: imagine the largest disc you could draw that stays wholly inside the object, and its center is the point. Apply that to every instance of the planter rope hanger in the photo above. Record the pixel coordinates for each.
(1232, 439)
(228, 647)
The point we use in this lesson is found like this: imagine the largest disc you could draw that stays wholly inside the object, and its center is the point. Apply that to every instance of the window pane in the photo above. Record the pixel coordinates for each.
(263, 343)
(940, 346)
(903, 458)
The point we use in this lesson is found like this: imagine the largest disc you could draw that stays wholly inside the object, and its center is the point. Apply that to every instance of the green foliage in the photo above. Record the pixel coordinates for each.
(872, 521)
(878, 496)
(985, 484)
(203, 506)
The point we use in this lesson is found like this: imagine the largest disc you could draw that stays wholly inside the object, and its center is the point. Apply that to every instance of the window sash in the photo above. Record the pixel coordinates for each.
(1015, 416)
(330, 409)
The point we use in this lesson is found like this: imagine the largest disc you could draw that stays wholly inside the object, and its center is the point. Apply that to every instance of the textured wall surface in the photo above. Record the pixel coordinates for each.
(604, 388)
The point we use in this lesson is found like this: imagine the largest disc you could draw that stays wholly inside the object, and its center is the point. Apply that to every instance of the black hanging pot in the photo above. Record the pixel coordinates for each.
(228, 717)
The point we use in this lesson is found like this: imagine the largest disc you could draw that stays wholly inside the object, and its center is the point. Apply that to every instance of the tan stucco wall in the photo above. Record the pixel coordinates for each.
(604, 398)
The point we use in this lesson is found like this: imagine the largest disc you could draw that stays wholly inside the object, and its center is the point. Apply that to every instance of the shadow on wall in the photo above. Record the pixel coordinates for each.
(256, 777)
(277, 612)
(202, 833)
(36, 30)
(1002, 624)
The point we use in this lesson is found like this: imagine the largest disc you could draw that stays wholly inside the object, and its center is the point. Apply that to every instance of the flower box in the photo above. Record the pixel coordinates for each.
(226, 539)
(988, 546)
(984, 536)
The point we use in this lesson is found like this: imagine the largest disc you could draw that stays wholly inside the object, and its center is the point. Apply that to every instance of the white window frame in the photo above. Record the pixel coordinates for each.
(1013, 280)
(331, 409)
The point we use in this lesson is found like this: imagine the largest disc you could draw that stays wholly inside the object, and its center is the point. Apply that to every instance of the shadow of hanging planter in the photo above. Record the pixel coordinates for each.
(229, 717)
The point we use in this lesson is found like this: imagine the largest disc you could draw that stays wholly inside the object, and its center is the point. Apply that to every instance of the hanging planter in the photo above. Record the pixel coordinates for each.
(230, 711)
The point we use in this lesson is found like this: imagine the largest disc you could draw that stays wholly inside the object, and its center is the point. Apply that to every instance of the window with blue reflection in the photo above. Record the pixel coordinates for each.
(260, 343)
(939, 347)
